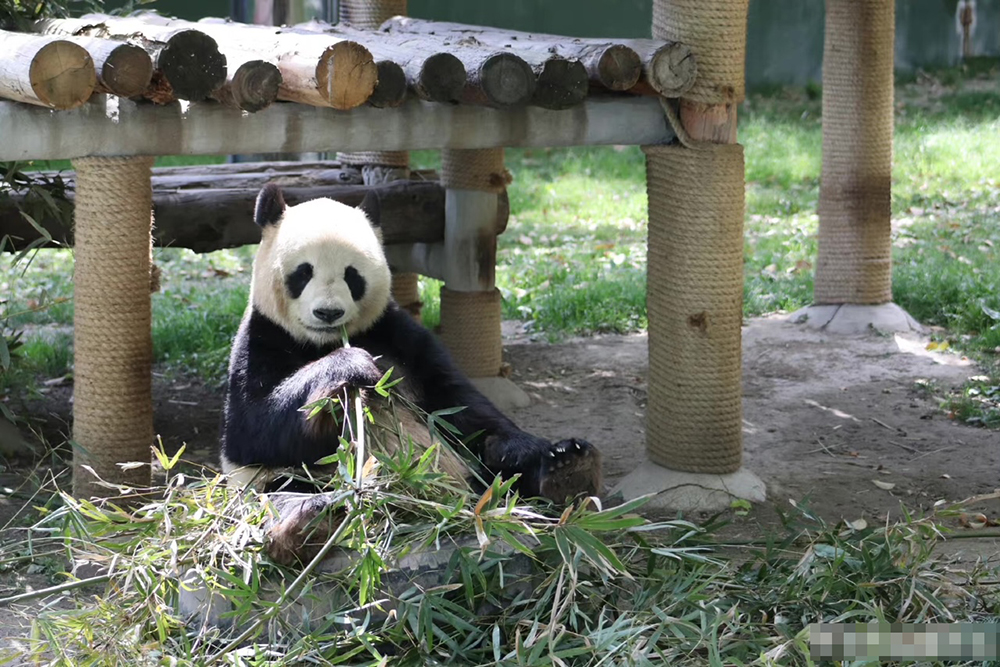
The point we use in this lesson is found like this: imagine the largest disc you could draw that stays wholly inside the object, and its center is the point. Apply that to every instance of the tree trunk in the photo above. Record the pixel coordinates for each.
(47, 72)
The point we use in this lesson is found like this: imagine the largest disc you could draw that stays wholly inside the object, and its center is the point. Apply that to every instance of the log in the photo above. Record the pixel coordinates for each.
(208, 219)
(43, 71)
(123, 69)
(188, 64)
(319, 70)
(665, 68)
(252, 87)
(495, 79)
(254, 175)
(390, 89)
(431, 73)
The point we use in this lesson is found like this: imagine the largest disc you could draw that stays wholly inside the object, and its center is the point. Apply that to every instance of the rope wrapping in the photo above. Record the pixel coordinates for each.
(716, 31)
(854, 262)
(695, 297)
(474, 169)
(470, 328)
(399, 159)
(370, 14)
(406, 292)
(112, 393)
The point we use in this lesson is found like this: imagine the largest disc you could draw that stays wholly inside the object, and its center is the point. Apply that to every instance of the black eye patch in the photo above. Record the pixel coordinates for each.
(355, 283)
(297, 280)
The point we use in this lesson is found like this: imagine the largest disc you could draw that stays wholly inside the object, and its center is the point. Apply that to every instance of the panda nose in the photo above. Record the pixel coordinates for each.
(328, 315)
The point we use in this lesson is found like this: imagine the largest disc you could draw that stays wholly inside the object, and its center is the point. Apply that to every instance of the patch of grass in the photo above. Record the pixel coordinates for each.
(978, 403)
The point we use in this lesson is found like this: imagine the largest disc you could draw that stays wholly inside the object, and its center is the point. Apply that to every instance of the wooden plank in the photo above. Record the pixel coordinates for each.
(108, 126)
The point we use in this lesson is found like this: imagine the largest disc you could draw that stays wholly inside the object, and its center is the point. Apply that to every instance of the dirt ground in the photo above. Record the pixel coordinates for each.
(824, 416)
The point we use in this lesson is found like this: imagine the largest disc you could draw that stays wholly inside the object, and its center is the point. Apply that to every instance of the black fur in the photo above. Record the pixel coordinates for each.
(355, 282)
(270, 205)
(372, 208)
(271, 376)
(297, 280)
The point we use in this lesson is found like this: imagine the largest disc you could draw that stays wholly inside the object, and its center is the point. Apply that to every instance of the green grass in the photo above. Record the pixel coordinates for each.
(573, 258)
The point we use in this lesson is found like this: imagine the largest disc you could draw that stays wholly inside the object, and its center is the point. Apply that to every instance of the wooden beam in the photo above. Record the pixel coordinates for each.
(47, 72)
(109, 126)
(206, 219)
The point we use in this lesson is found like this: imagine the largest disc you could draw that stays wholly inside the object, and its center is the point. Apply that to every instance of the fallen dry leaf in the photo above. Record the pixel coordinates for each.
(885, 486)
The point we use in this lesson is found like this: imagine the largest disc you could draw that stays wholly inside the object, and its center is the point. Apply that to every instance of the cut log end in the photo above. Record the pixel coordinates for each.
(346, 75)
(62, 75)
(619, 67)
(127, 71)
(672, 70)
(255, 85)
(506, 80)
(561, 84)
(390, 91)
(193, 64)
(442, 78)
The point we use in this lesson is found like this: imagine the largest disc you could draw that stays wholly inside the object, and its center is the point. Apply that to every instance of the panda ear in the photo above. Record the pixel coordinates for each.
(371, 208)
(270, 205)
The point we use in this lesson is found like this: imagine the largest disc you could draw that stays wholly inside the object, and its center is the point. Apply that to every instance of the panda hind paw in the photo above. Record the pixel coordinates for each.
(570, 468)
(304, 523)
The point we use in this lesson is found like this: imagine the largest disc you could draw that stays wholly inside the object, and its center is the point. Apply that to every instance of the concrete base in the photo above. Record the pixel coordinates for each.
(687, 491)
(502, 392)
(852, 319)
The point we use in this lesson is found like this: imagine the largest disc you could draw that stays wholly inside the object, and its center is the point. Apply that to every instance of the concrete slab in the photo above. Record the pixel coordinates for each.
(689, 492)
(502, 392)
(854, 319)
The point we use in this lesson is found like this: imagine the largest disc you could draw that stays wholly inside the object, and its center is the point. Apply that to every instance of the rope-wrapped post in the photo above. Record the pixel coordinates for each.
(695, 270)
(112, 339)
(695, 304)
(470, 302)
(854, 262)
(382, 166)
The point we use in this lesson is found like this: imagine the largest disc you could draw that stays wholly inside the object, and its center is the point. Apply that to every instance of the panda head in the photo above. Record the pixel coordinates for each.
(320, 266)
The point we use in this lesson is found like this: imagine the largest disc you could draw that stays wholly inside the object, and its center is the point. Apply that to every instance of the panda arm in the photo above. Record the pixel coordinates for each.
(268, 386)
(425, 364)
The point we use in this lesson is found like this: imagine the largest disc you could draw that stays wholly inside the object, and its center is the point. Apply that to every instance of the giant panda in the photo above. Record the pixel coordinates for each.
(321, 269)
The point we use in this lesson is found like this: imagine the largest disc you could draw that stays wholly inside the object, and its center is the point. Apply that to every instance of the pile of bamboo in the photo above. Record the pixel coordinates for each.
(150, 57)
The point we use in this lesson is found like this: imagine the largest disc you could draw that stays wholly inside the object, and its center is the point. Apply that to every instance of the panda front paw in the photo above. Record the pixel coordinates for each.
(354, 368)
(556, 471)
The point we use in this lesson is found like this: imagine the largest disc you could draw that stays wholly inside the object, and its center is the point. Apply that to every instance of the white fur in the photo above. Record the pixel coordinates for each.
(330, 236)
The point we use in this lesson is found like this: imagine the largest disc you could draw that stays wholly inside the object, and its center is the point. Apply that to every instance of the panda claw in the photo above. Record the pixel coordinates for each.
(577, 445)
(552, 454)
